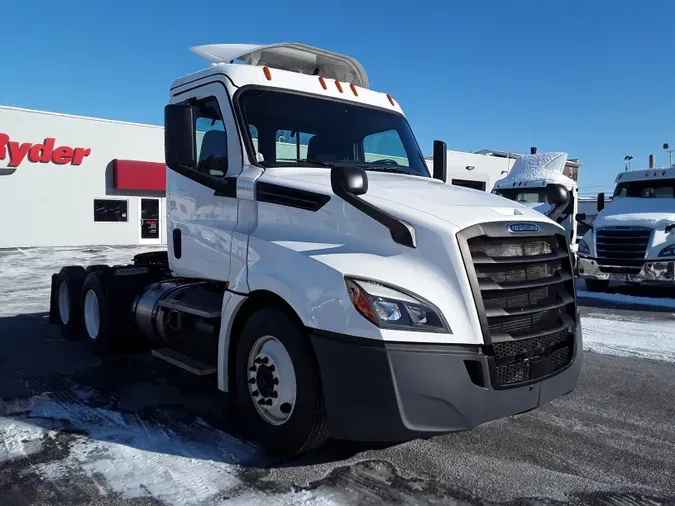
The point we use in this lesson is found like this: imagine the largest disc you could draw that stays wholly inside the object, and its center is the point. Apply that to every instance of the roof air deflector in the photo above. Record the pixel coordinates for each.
(293, 57)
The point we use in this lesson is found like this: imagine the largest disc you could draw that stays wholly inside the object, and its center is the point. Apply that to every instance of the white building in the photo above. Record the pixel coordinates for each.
(70, 181)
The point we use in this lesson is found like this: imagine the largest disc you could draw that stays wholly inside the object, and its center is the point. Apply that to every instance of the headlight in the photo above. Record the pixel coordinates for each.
(583, 248)
(668, 251)
(388, 307)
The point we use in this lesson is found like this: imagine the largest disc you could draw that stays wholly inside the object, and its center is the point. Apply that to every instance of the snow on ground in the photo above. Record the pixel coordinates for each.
(133, 458)
(25, 274)
(630, 338)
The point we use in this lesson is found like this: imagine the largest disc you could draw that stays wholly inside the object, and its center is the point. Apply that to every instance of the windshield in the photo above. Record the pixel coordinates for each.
(655, 188)
(524, 195)
(291, 130)
(531, 197)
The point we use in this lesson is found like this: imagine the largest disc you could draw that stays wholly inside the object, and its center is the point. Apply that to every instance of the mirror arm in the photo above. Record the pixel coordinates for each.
(400, 231)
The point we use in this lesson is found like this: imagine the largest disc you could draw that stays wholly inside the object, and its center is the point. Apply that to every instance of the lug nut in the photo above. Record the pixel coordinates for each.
(253, 368)
(255, 393)
(251, 381)
(275, 381)
(265, 360)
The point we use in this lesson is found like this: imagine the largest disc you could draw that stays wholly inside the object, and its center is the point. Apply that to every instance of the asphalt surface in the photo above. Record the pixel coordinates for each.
(132, 430)
(612, 441)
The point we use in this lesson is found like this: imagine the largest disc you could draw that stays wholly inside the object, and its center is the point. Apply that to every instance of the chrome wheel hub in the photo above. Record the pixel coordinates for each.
(271, 380)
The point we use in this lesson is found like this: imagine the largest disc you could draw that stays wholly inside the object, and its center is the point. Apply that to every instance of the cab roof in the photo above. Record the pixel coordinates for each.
(537, 170)
(290, 56)
(645, 174)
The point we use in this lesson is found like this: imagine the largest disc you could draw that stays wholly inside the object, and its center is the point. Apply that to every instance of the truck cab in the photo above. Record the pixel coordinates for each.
(331, 283)
(632, 240)
(528, 183)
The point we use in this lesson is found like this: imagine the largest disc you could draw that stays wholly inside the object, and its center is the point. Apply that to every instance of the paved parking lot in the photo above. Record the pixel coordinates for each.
(76, 430)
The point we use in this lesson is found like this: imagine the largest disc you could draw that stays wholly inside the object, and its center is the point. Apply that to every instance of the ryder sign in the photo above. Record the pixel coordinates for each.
(15, 153)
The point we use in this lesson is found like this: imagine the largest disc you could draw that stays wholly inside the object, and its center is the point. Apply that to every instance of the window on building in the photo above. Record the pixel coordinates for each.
(108, 210)
(211, 138)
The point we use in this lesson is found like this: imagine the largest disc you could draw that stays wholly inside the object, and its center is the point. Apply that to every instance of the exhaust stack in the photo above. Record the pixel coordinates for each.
(652, 161)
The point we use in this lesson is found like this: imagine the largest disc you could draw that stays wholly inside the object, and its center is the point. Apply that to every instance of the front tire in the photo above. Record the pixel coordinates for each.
(278, 384)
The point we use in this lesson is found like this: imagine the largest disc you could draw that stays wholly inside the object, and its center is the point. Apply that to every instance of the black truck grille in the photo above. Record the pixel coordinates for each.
(622, 246)
(523, 286)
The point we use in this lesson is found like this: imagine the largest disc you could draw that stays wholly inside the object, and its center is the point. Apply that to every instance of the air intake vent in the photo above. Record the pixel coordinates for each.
(622, 247)
(523, 286)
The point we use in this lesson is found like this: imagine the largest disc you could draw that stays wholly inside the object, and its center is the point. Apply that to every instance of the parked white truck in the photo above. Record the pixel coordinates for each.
(333, 292)
(632, 240)
(527, 183)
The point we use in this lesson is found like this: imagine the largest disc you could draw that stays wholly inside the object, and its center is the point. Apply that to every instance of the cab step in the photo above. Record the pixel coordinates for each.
(184, 362)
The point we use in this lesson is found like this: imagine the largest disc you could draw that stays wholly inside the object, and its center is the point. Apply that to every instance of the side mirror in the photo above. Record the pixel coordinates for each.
(348, 179)
(440, 161)
(179, 136)
(559, 196)
(601, 201)
(581, 218)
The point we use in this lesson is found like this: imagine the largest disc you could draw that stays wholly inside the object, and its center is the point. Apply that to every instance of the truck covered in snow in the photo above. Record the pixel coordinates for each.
(338, 288)
(528, 181)
(632, 240)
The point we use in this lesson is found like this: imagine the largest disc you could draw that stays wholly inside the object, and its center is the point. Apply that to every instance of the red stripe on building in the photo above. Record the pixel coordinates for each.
(137, 175)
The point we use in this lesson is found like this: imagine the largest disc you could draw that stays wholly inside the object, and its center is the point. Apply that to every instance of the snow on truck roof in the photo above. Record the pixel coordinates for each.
(294, 57)
(538, 170)
(645, 174)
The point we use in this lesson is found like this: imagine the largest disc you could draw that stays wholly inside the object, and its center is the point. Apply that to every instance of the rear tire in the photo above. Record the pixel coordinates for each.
(67, 301)
(99, 321)
(274, 357)
(596, 285)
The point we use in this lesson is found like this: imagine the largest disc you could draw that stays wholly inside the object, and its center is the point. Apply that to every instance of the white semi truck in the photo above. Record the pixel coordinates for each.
(333, 292)
(632, 240)
(527, 183)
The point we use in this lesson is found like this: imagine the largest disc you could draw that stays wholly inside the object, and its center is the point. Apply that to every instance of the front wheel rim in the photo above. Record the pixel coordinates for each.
(92, 317)
(271, 380)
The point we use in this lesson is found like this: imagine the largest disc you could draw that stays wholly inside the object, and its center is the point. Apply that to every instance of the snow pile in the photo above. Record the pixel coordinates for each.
(545, 166)
(643, 339)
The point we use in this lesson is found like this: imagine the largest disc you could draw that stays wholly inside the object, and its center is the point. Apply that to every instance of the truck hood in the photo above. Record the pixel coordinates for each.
(453, 204)
(651, 213)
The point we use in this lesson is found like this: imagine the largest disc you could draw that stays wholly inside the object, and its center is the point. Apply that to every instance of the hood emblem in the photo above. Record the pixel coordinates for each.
(519, 228)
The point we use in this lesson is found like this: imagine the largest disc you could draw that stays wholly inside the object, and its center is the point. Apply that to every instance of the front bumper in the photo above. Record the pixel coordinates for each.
(393, 392)
(652, 272)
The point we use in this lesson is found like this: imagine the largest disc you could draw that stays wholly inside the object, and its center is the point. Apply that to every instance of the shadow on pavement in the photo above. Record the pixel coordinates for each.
(134, 399)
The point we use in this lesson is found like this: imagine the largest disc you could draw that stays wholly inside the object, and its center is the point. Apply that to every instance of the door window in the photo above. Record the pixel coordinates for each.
(211, 138)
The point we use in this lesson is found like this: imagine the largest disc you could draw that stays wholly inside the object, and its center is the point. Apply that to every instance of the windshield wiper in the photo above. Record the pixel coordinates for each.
(393, 170)
(302, 163)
